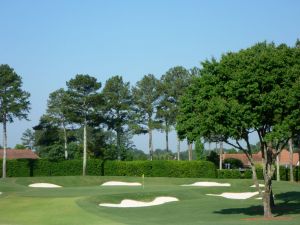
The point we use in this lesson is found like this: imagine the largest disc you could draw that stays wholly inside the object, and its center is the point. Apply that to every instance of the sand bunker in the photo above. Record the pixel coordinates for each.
(208, 184)
(127, 203)
(119, 183)
(260, 185)
(44, 185)
(232, 195)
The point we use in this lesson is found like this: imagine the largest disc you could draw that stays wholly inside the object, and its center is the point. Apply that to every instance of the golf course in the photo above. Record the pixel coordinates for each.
(77, 202)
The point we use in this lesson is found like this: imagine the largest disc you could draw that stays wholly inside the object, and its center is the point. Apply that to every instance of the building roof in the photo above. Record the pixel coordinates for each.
(240, 156)
(284, 158)
(19, 154)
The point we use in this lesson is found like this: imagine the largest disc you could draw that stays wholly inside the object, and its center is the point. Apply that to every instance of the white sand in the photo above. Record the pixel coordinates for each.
(259, 198)
(44, 185)
(232, 195)
(260, 185)
(127, 203)
(208, 184)
(119, 183)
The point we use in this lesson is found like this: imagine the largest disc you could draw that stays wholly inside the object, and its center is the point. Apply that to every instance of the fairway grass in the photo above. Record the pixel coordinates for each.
(77, 203)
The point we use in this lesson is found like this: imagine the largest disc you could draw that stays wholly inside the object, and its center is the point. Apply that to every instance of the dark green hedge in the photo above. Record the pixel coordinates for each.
(131, 168)
(17, 168)
(285, 173)
(61, 168)
(160, 168)
(237, 174)
(42, 167)
(247, 174)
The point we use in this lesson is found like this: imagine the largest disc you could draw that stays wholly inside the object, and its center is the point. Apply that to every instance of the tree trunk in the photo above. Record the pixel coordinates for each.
(150, 145)
(255, 180)
(4, 147)
(84, 149)
(221, 156)
(119, 145)
(291, 159)
(268, 172)
(277, 168)
(167, 138)
(267, 199)
(190, 149)
(66, 142)
(178, 148)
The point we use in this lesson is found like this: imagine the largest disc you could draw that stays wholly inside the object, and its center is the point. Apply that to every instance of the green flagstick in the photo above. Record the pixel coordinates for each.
(143, 177)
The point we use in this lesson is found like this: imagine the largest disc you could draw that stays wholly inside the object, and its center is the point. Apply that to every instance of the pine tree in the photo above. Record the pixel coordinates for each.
(14, 103)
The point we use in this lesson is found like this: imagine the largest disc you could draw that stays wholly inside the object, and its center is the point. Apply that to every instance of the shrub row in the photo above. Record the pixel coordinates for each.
(247, 174)
(42, 167)
(237, 174)
(161, 168)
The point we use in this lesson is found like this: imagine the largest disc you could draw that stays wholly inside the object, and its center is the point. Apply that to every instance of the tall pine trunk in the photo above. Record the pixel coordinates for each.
(190, 149)
(167, 137)
(221, 156)
(65, 142)
(150, 144)
(178, 148)
(4, 147)
(277, 168)
(84, 148)
(119, 145)
(291, 159)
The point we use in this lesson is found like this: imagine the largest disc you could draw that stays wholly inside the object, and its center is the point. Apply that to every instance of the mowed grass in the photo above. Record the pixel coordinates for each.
(78, 202)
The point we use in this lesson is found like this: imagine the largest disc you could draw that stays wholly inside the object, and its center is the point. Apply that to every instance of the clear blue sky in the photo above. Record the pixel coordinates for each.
(48, 42)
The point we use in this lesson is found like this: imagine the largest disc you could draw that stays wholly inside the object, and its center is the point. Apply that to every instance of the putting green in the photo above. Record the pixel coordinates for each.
(77, 202)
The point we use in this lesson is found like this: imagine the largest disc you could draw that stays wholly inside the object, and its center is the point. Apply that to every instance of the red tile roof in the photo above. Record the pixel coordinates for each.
(19, 154)
(241, 156)
(284, 158)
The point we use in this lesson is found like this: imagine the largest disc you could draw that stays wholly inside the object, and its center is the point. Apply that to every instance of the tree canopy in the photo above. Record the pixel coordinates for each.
(255, 90)
(84, 105)
(14, 103)
(117, 107)
(146, 97)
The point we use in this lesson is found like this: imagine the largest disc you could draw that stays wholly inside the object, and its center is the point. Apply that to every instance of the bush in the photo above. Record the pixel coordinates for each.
(127, 168)
(17, 168)
(239, 174)
(203, 169)
(160, 168)
(285, 173)
(213, 157)
(229, 174)
(234, 163)
(43, 167)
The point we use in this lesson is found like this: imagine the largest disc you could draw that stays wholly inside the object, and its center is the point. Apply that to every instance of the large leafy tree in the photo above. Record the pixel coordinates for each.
(117, 108)
(83, 102)
(173, 85)
(255, 90)
(57, 113)
(14, 103)
(28, 139)
(47, 135)
(146, 95)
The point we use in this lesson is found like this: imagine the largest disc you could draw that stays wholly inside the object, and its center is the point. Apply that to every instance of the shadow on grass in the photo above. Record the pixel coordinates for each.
(286, 203)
